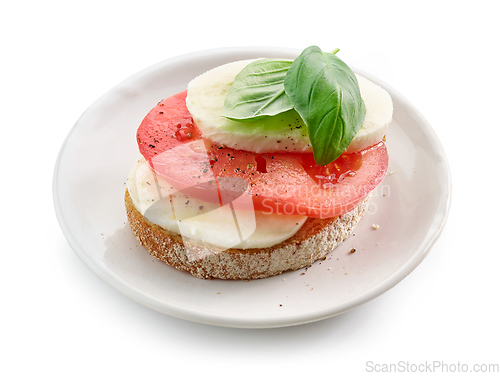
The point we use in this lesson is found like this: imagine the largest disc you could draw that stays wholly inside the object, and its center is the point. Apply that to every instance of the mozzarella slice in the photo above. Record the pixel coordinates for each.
(379, 108)
(285, 132)
(228, 226)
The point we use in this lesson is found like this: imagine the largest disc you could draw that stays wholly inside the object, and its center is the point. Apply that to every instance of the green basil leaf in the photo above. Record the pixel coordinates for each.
(258, 91)
(325, 93)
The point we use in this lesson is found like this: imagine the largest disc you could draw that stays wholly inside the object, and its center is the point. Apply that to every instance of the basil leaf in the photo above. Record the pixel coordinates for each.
(258, 91)
(325, 93)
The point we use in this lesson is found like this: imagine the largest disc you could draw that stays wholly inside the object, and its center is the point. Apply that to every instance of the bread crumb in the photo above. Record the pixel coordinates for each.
(375, 226)
(352, 250)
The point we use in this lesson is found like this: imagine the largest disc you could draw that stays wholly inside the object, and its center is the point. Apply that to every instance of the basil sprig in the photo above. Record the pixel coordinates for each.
(258, 91)
(319, 86)
(325, 93)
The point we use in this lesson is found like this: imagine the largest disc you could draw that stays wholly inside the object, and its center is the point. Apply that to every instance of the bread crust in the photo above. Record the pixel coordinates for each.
(315, 239)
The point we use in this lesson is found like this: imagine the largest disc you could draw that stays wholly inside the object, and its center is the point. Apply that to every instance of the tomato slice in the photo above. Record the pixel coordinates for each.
(282, 183)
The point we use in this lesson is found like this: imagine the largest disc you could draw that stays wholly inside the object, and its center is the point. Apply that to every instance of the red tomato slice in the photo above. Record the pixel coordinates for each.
(283, 183)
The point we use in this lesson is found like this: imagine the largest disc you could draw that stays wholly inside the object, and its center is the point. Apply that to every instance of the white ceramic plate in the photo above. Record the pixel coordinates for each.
(410, 208)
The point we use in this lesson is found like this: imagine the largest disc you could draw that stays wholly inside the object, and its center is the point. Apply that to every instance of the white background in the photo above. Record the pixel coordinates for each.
(59, 56)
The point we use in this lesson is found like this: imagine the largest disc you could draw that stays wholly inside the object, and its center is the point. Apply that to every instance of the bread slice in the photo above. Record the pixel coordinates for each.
(316, 238)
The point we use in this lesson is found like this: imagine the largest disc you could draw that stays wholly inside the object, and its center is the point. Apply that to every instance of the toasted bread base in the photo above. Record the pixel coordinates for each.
(316, 238)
